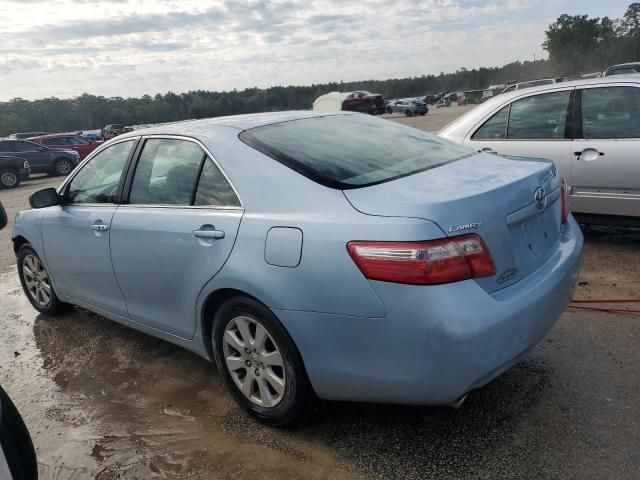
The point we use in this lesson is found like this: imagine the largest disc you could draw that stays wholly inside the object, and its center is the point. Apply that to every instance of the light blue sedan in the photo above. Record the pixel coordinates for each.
(309, 255)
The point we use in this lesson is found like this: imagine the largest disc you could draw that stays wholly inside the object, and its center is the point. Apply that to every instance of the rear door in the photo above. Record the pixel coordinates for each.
(606, 165)
(536, 125)
(173, 234)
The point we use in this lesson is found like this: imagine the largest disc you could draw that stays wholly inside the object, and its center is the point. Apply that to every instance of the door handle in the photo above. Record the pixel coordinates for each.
(208, 231)
(99, 227)
(487, 150)
(588, 154)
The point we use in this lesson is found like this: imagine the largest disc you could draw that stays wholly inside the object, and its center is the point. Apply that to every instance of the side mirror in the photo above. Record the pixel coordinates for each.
(3, 217)
(47, 197)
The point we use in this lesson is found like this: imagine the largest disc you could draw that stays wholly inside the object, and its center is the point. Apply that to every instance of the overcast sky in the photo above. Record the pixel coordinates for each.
(131, 47)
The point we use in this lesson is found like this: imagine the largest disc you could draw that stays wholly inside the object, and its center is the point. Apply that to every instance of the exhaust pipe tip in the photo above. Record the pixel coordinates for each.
(456, 404)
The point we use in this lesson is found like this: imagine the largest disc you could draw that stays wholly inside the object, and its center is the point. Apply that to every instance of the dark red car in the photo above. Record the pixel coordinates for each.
(68, 141)
(365, 102)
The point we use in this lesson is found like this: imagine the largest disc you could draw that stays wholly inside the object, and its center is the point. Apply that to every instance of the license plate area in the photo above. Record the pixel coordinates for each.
(534, 237)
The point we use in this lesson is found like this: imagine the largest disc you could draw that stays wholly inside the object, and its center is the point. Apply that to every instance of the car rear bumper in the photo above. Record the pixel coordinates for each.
(436, 343)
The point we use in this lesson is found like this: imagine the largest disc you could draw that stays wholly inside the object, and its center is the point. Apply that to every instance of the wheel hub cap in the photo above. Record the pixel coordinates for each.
(254, 361)
(36, 280)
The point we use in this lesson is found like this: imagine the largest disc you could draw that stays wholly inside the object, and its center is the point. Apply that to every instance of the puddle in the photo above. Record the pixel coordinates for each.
(104, 401)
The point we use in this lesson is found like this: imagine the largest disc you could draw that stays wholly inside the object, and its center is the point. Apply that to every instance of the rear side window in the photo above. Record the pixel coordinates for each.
(351, 151)
(213, 188)
(612, 112)
(166, 173)
(178, 172)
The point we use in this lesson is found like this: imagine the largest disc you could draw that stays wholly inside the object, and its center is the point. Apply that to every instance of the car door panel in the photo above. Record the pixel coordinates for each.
(161, 265)
(530, 126)
(76, 246)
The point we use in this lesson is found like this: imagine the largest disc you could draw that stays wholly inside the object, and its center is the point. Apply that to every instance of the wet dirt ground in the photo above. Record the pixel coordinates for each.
(103, 401)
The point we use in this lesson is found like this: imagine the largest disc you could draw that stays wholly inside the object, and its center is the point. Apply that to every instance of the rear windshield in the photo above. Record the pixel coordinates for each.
(351, 151)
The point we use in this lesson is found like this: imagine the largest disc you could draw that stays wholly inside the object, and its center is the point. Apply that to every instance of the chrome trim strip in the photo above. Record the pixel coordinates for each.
(532, 209)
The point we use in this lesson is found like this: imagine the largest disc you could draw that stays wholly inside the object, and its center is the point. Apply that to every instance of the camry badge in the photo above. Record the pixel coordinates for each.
(466, 226)
(540, 197)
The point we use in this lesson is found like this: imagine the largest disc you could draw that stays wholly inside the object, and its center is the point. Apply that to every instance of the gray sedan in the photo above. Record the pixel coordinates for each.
(589, 128)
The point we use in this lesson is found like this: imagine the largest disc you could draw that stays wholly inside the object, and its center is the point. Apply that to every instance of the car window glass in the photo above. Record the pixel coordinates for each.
(26, 147)
(351, 151)
(213, 188)
(166, 173)
(50, 141)
(77, 140)
(611, 112)
(98, 180)
(495, 128)
(539, 117)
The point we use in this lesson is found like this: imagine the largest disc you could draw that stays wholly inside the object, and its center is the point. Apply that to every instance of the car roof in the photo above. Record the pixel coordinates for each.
(239, 122)
(629, 64)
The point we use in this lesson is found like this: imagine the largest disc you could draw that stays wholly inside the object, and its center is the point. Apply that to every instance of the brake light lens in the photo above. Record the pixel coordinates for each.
(432, 262)
(25, 165)
(565, 195)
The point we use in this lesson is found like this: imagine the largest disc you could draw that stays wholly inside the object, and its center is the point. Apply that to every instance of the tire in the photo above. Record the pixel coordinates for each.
(9, 179)
(62, 167)
(257, 368)
(36, 283)
(15, 441)
(409, 113)
(423, 114)
(389, 111)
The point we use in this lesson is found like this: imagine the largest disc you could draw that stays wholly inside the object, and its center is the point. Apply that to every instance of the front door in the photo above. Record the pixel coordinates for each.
(606, 164)
(76, 234)
(174, 233)
(533, 126)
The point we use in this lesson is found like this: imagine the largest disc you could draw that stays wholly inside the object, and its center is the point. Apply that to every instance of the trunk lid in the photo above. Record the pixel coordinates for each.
(490, 195)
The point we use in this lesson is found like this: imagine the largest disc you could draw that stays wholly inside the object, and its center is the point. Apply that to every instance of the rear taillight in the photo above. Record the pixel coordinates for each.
(25, 165)
(565, 196)
(430, 262)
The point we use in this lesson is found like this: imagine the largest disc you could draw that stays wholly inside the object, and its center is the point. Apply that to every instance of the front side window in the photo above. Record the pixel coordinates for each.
(351, 151)
(98, 180)
(167, 172)
(495, 128)
(539, 117)
(611, 112)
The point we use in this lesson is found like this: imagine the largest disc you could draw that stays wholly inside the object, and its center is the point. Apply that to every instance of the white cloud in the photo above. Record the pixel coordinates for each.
(129, 48)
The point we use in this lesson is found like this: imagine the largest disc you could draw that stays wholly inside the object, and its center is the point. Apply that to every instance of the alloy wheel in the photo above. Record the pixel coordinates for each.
(254, 361)
(36, 280)
(9, 179)
(63, 167)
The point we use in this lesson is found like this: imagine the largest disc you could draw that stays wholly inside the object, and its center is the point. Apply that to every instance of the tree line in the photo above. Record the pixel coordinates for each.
(576, 44)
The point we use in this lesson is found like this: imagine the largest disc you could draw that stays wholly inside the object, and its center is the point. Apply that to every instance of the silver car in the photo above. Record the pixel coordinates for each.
(589, 128)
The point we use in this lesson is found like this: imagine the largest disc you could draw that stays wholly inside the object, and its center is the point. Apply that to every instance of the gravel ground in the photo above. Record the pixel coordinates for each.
(103, 401)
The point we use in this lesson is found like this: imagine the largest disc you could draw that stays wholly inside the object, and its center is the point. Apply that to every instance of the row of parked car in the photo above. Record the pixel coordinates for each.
(22, 154)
